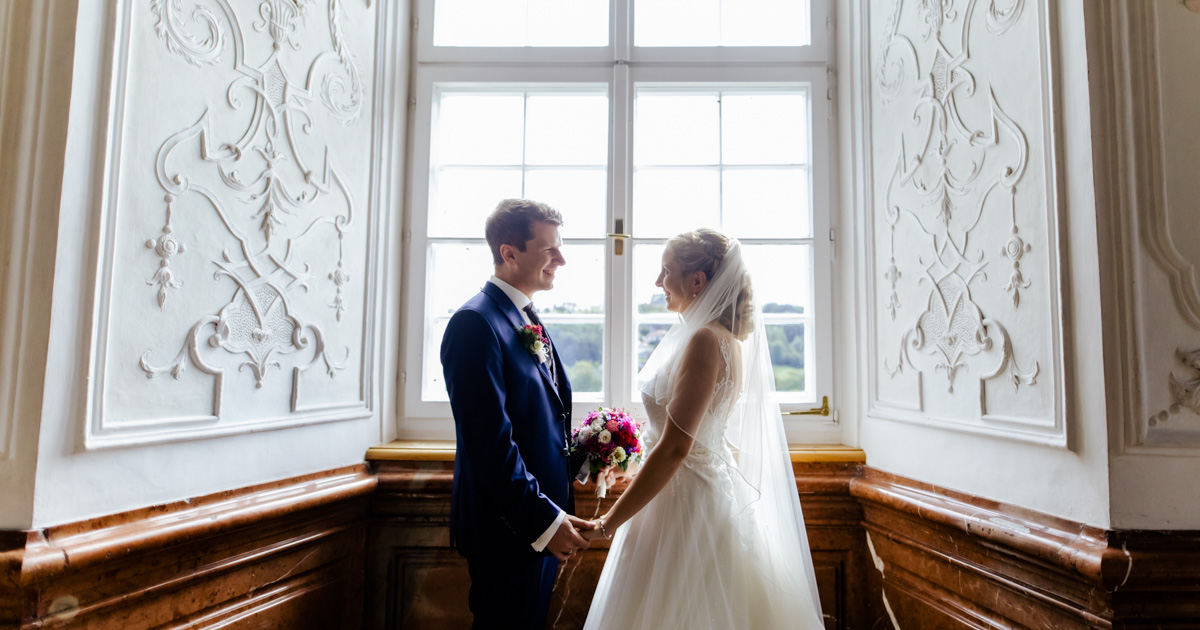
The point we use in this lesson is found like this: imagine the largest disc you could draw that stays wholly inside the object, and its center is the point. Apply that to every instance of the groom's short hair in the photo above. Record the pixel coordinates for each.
(511, 223)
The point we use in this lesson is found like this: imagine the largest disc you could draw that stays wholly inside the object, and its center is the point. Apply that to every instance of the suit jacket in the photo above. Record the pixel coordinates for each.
(511, 471)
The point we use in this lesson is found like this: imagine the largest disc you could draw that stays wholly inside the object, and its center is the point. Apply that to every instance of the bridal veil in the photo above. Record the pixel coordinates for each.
(753, 448)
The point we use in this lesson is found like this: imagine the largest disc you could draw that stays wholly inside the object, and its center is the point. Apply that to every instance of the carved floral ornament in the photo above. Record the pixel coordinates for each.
(950, 172)
(1185, 393)
(260, 183)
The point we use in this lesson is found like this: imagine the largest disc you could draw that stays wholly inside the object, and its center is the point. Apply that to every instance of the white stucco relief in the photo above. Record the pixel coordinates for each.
(255, 188)
(259, 321)
(954, 204)
(1157, 141)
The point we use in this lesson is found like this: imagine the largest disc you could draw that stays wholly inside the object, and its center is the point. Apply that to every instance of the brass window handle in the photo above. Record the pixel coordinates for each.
(823, 410)
(620, 236)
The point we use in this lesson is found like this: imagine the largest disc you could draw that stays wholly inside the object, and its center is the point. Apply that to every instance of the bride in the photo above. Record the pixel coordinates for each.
(709, 534)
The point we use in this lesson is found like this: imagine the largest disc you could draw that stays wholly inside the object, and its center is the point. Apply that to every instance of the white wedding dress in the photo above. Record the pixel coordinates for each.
(697, 556)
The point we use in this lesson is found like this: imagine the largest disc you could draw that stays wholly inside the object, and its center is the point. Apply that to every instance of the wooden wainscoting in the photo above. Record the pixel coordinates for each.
(287, 554)
(889, 552)
(416, 581)
(943, 559)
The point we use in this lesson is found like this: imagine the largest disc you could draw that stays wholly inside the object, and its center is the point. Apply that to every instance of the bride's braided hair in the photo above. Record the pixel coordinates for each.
(703, 250)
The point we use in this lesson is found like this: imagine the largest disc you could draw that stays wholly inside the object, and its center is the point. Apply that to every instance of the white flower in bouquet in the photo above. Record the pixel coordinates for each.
(585, 433)
(604, 437)
(618, 455)
(598, 423)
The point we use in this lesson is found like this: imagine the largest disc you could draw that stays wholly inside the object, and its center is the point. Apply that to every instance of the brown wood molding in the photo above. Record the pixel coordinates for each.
(270, 553)
(947, 559)
(294, 553)
(1153, 578)
(1067, 545)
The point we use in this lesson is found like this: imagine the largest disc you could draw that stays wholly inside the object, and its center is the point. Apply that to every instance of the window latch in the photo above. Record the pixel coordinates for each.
(619, 237)
(823, 410)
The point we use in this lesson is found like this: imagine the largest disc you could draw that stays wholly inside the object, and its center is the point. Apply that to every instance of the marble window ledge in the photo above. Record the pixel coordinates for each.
(443, 451)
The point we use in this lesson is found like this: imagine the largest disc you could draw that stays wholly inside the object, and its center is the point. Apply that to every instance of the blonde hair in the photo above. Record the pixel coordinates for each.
(703, 250)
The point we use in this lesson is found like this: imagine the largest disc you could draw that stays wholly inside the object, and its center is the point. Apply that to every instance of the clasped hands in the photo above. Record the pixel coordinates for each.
(575, 533)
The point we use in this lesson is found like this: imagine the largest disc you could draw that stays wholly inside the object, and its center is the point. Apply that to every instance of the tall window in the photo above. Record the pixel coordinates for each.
(685, 113)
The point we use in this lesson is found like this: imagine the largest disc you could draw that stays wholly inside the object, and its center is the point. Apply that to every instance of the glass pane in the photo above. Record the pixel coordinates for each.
(479, 128)
(462, 198)
(520, 23)
(478, 22)
(434, 386)
(765, 203)
(782, 277)
(580, 195)
(574, 315)
(782, 286)
(567, 129)
(669, 201)
(721, 23)
(581, 348)
(579, 286)
(567, 23)
(787, 346)
(647, 262)
(676, 129)
(651, 318)
(496, 129)
(647, 340)
(456, 272)
(676, 22)
(764, 128)
(764, 23)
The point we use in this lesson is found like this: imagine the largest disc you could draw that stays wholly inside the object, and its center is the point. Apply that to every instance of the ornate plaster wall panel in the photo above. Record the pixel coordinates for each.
(238, 260)
(1171, 230)
(964, 177)
(1156, 130)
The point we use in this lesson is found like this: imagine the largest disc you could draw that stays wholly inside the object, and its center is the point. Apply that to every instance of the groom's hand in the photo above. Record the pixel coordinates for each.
(580, 525)
(566, 540)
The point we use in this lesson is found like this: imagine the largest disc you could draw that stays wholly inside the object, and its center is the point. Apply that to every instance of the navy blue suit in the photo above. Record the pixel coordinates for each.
(511, 471)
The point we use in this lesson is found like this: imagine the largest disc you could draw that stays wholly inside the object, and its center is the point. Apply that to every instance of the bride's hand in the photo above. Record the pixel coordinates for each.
(595, 532)
(613, 474)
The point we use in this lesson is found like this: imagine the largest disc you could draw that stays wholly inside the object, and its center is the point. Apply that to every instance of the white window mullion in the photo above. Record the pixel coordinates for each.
(622, 29)
(620, 270)
(819, 353)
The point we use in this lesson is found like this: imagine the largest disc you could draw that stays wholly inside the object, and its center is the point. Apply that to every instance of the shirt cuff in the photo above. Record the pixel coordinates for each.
(543, 540)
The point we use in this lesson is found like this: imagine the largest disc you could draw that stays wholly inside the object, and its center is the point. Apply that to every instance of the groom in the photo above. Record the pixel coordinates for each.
(511, 400)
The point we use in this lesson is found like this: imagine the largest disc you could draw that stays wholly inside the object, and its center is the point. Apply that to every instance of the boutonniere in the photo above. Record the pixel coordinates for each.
(535, 341)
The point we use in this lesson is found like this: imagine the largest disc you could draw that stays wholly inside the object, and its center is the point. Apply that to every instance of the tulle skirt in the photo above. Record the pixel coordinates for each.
(693, 559)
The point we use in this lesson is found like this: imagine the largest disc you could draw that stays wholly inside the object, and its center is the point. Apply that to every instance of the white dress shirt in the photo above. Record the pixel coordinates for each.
(520, 300)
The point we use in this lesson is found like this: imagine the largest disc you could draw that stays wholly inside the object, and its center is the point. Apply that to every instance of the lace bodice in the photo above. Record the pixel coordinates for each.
(711, 430)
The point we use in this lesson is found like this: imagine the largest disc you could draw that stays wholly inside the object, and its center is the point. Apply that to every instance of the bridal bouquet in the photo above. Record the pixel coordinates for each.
(609, 437)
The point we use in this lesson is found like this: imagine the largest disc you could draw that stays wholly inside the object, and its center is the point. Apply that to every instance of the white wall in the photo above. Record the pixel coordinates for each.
(269, 147)
(970, 169)
(1147, 52)
(35, 72)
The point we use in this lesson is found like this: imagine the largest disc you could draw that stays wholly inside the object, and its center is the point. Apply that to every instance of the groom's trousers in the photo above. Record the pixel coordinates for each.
(511, 590)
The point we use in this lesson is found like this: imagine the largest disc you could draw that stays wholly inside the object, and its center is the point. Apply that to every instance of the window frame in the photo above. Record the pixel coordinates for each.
(555, 67)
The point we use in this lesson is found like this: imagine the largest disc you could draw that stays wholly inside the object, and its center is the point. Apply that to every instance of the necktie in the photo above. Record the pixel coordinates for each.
(537, 321)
